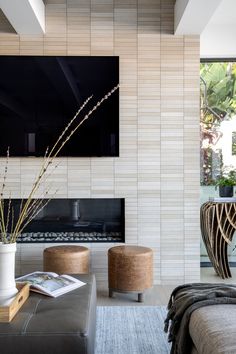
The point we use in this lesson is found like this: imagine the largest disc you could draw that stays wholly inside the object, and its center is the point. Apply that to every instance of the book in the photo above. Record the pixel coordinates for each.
(50, 284)
(222, 200)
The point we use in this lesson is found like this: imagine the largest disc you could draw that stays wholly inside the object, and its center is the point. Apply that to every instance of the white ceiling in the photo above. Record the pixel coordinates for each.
(218, 39)
(25, 16)
(225, 13)
(213, 20)
(192, 16)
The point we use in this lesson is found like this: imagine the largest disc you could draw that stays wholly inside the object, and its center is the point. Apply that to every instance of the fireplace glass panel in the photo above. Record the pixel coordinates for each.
(76, 220)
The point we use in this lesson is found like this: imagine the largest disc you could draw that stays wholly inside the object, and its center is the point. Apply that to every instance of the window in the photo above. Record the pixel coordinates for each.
(218, 120)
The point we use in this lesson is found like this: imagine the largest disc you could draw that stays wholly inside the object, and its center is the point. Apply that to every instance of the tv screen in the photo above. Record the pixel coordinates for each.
(40, 94)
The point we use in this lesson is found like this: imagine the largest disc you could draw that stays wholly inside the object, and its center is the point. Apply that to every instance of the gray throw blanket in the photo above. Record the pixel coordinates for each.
(183, 301)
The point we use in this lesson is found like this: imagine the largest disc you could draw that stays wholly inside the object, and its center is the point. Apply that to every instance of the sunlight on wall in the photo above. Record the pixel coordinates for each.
(227, 128)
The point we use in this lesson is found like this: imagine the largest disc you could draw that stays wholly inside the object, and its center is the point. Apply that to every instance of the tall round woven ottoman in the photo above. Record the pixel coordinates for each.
(130, 270)
(66, 259)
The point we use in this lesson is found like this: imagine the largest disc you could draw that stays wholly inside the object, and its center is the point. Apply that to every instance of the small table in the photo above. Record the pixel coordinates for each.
(66, 324)
(218, 224)
(130, 270)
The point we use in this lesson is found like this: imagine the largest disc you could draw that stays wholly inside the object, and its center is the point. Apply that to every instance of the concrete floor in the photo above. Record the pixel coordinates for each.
(159, 294)
(208, 275)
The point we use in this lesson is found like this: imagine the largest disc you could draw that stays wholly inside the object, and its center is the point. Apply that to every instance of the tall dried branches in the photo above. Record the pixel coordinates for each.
(10, 228)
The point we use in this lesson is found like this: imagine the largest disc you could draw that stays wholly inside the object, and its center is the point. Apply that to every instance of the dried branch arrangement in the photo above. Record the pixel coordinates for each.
(10, 227)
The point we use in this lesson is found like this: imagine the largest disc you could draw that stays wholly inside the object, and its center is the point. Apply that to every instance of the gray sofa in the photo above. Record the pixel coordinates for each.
(213, 329)
(44, 325)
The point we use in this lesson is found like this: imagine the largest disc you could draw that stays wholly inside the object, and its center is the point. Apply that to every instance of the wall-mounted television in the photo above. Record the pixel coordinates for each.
(40, 94)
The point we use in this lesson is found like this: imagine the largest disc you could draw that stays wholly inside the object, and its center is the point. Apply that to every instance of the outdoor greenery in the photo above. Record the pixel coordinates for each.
(218, 103)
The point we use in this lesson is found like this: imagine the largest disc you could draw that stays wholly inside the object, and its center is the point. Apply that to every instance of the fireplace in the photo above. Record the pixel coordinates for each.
(76, 220)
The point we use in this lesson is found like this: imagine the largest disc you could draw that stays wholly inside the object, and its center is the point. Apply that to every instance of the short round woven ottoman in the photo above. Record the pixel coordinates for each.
(66, 259)
(130, 270)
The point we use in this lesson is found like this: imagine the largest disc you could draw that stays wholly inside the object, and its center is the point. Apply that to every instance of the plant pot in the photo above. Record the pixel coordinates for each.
(226, 191)
(7, 272)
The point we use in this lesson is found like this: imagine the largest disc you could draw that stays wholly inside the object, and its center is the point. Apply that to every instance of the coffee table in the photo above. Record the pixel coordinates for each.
(61, 325)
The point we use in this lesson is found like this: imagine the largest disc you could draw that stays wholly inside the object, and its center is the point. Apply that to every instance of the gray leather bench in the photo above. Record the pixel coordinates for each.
(44, 325)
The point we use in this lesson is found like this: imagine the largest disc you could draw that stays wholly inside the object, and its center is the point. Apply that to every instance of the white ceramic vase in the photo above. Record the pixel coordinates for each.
(7, 272)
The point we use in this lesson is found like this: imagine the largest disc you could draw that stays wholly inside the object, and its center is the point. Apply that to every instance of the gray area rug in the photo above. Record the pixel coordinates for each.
(131, 330)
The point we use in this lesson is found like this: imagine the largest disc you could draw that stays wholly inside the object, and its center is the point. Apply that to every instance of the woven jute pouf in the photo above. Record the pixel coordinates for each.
(130, 270)
(66, 259)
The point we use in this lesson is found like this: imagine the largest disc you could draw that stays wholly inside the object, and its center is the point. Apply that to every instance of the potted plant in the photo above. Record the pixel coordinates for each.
(226, 184)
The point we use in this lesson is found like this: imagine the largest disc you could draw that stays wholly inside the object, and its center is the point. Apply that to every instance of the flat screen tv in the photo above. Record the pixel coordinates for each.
(40, 94)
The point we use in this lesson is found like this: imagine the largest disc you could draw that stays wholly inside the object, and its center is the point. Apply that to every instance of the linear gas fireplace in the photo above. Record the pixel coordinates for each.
(76, 220)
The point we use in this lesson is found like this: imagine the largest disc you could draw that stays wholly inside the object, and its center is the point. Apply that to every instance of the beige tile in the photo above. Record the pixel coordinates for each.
(158, 168)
